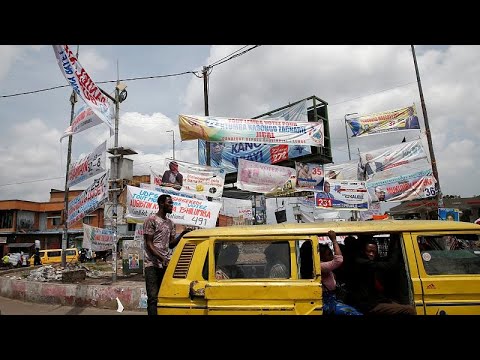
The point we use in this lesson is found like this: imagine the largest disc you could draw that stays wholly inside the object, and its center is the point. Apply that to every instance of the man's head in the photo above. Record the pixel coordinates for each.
(380, 194)
(369, 157)
(216, 149)
(326, 187)
(450, 216)
(173, 166)
(165, 203)
(410, 111)
(370, 249)
(325, 252)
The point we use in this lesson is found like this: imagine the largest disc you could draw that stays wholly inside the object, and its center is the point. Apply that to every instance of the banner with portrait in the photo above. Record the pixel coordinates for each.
(83, 84)
(417, 185)
(344, 171)
(343, 195)
(393, 161)
(97, 239)
(384, 122)
(267, 179)
(309, 176)
(448, 214)
(186, 211)
(132, 255)
(240, 130)
(191, 178)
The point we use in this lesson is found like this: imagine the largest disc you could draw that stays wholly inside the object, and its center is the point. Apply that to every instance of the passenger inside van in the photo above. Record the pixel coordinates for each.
(226, 263)
(278, 260)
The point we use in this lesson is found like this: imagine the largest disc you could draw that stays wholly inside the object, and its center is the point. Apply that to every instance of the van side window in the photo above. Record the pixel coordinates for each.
(54, 253)
(450, 254)
(252, 259)
(70, 252)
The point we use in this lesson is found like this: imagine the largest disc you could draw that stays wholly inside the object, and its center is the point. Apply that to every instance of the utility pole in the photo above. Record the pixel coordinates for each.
(427, 131)
(173, 141)
(346, 134)
(73, 100)
(205, 96)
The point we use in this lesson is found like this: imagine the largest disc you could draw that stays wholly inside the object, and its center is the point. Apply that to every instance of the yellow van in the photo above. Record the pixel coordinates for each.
(51, 256)
(439, 269)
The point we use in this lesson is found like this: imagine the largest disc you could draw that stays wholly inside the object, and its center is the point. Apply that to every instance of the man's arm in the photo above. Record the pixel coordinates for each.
(175, 241)
(152, 249)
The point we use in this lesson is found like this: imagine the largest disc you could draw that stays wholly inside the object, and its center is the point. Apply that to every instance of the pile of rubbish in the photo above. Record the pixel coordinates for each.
(49, 273)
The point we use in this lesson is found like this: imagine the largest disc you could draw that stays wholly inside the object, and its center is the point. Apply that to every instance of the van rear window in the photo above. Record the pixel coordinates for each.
(450, 254)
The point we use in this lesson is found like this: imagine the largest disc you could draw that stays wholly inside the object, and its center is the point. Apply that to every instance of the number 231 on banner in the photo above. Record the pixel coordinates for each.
(324, 202)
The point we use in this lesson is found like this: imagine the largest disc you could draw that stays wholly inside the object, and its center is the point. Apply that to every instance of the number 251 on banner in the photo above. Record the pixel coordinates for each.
(324, 202)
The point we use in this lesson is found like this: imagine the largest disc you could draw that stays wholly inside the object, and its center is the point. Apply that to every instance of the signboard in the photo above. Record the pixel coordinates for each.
(448, 214)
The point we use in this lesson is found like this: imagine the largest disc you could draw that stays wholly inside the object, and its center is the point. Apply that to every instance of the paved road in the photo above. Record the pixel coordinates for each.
(17, 307)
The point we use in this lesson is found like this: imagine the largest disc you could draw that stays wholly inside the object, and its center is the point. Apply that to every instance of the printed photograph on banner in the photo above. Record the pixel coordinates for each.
(132, 256)
(343, 195)
(186, 211)
(309, 176)
(88, 166)
(191, 178)
(263, 178)
(393, 161)
(384, 122)
(83, 84)
(448, 214)
(418, 185)
(265, 131)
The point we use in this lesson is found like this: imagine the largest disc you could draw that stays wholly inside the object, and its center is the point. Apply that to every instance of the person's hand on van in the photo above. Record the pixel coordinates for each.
(332, 235)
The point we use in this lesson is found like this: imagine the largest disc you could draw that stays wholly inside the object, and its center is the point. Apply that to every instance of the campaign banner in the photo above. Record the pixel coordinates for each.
(267, 179)
(392, 161)
(243, 209)
(448, 214)
(83, 84)
(138, 236)
(132, 255)
(191, 178)
(383, 122)
(345, 171)
(89, 200)
(343, 195)
(98, 239)
(309, 176)
(84, 119)
(239, 130)
(193, 212)
(374, 209)
(88, 166)
(227, 154)
(417, 185)
(168, 191)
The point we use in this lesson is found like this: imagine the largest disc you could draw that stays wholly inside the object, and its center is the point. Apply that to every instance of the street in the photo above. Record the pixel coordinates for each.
(17, 307)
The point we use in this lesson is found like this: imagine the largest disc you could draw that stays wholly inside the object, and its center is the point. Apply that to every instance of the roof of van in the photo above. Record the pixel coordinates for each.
(338, 226)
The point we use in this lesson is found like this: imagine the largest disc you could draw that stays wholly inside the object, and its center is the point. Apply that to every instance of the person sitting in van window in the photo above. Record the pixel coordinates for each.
(328, 263)
(226, 263)
(366, 292)
(278, 260)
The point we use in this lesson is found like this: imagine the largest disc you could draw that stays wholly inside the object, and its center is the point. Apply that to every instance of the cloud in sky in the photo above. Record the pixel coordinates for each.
(363, 79)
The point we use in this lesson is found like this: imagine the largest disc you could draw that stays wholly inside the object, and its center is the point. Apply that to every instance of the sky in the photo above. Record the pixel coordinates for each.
(351, 79)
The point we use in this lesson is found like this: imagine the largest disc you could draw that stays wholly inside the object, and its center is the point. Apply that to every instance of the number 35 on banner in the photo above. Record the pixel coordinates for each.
(324, 202)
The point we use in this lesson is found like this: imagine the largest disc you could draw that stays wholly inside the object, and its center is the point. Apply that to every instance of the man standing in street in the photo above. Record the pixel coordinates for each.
(159, 236)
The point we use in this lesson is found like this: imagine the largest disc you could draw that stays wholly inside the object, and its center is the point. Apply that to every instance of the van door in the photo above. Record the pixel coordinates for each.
(449, 271)
(251, 277)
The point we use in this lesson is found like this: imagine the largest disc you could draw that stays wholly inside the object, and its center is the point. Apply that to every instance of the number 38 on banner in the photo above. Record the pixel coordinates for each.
(324, 202)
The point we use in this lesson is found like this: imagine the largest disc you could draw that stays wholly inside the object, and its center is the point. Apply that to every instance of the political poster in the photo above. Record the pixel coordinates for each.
(186, 211)
(384, 122)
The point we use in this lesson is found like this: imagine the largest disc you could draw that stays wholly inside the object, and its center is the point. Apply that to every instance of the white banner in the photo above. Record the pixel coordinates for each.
(97, 239)
(138, 236)
(82, 84)
(309, 176)
(194, 212)
(374, 209)
(343, 195)
(190, 178)
(89, 200)
(393, 161)
(88, 166)
(418, 185)
(84, 119)
(263, 131)
(263, 178)
(344, 171)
